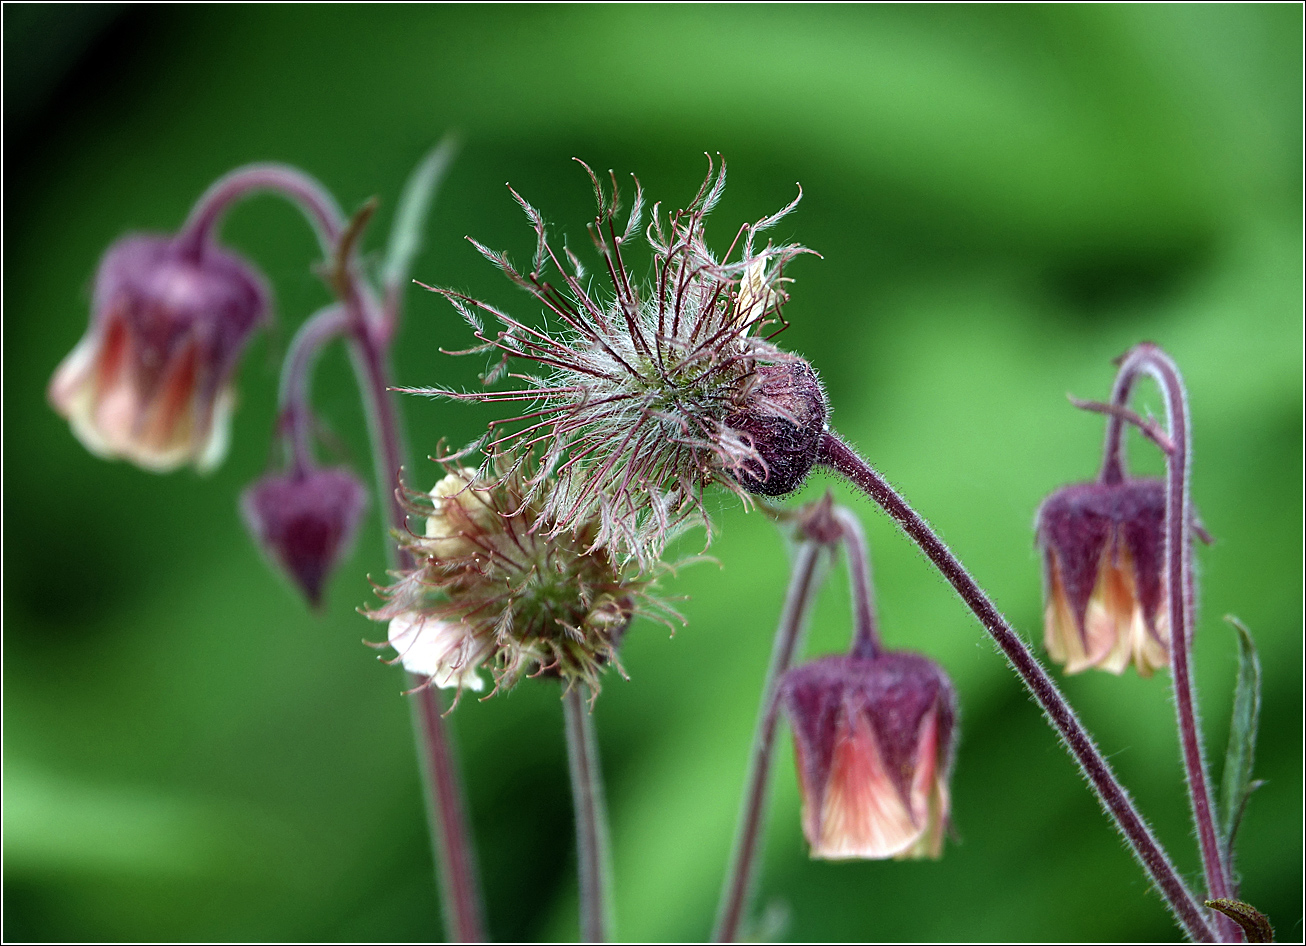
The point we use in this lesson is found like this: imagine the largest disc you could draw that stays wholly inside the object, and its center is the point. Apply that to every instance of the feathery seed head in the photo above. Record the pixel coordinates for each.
(648, 395)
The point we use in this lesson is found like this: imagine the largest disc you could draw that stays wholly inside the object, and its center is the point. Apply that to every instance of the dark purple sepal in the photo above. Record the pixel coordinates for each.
(783, 421)
(1075, 525)
(166, 298)
(305, 522)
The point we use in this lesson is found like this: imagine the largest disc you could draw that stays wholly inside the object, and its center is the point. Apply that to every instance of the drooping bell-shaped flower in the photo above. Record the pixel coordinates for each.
(1104, 554)
(874, 741)
(150, 381)
(305, 520)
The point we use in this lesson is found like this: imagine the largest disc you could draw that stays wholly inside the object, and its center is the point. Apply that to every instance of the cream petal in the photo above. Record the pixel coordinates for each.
(862, 812)
(444, 652)
(213, 448)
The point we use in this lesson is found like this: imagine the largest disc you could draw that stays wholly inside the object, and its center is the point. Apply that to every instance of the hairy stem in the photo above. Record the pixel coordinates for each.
(311, 197)
(296, 420)
(592, 858)
(738, 885)
(836, 455)
(1151, 360)
(866, 640)
(446, 807)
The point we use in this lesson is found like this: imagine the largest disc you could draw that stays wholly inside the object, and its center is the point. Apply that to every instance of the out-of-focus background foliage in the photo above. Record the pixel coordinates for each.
(1005, 199)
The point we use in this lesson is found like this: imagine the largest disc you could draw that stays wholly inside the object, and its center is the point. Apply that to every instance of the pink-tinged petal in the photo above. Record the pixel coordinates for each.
(1112, 537)
(1060, 629)
(929, 793)
(1151, 646)
(149, 382)
(443, 652)
(862, 813)
(212, 447)
(930, 843)
(69, 388)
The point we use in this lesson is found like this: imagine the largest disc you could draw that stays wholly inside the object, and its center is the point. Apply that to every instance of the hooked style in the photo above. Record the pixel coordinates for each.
(652, 394)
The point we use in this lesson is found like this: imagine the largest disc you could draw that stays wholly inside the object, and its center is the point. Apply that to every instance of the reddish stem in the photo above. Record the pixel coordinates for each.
(1151, 360)
(371, 334)
(738, 885)
(592, 861)
(304, 191)
(293, 399)
(446, 807)
(866, 641)
(836, 455)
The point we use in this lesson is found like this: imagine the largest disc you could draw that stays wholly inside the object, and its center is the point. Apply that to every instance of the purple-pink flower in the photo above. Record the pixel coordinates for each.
(305, 521)
(1104, 552)
(150, 382)
(874, 740)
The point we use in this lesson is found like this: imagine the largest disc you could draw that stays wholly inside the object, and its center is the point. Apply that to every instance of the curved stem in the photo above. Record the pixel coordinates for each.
(593, 863)
(1149, 359)
(319, 329)
(312, 198)
(836, 455)
(866, 641)
(734, 894)
(1113, 451)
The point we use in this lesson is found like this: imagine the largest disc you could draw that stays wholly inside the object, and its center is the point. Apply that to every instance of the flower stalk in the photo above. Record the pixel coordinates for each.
(840, 458)
(446, 807)
(1148, 359)
(592, 847)
(296, 420)
(803, 584)
(368, 331)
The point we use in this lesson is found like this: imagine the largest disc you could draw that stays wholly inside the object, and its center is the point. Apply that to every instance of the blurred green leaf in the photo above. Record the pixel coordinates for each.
(1238, 785)
(413, 209)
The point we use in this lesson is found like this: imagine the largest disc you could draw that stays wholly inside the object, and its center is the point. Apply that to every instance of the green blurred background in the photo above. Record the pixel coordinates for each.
(1005, 199)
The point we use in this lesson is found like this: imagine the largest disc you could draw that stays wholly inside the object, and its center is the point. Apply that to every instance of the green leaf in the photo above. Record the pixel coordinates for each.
(1238, 784)
(414, 205)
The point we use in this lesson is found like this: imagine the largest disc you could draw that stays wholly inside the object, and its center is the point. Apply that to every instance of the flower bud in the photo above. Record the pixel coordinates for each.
(305, 522)
(874, 741)
(150, 380)
(1104, 555)
(782, 421)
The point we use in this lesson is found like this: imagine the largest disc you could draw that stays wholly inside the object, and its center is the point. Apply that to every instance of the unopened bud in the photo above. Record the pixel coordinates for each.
(305, 522)
(782, 421)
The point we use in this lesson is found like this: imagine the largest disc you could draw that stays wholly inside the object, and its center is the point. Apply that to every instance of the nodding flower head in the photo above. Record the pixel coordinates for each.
(305, 520)
(647, 395)
(874, 740)
(1104, 556)
(150, 382)
(493, 582)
